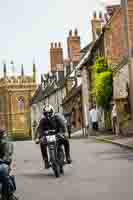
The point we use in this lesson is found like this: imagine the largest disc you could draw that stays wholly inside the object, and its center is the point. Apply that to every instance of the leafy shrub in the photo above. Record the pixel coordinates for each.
(103, 89)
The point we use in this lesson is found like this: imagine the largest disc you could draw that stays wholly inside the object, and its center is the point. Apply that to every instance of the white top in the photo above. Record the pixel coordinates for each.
(114, 112)
(93, 115)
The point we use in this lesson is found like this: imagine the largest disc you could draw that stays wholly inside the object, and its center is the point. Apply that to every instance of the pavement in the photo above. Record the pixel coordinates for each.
(77, 134)
(126, 142)
(100, 171)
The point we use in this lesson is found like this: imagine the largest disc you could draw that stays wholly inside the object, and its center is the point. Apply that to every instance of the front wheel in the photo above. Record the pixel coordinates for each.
(13, 197)
(56, 170)
(61, 159)
(62, 170)
(9, 197)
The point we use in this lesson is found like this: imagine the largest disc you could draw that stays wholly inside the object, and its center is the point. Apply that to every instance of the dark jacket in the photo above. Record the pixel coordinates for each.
(56, 122)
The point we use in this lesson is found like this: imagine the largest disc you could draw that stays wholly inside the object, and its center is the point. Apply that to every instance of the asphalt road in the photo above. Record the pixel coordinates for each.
(99, 172)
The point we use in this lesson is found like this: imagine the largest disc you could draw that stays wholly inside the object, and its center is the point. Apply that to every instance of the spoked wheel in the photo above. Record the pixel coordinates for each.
(61, 159)
(9, 197)
(13, 197)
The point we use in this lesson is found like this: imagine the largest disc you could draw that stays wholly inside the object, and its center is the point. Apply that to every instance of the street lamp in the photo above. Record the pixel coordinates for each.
(128, 46)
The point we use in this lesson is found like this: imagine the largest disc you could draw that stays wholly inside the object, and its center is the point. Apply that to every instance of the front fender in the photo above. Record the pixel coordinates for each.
(52, 154)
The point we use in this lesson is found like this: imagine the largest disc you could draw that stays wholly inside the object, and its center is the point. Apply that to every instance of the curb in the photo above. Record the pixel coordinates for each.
(78, 137)
(115, 143)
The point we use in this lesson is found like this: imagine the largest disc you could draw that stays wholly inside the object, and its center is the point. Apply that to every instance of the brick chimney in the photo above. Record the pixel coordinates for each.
(56, 57)
(73, 45)
(97, 23)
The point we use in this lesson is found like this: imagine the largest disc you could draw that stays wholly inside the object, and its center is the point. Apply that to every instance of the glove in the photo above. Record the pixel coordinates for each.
(37, 141)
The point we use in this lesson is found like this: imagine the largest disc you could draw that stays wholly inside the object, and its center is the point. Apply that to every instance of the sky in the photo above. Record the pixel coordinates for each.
(27, 27)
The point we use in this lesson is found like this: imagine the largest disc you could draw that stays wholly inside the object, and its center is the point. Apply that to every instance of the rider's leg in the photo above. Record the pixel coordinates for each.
(13, 183)
(43, 148)
(67, 150)
(69, 131)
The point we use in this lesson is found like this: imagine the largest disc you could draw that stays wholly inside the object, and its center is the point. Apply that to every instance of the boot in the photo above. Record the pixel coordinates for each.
(68, 159)
(67, 151)
(47, 165)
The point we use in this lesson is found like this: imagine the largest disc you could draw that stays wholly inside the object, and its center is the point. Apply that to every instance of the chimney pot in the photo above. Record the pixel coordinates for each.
(70, 33)
(52, 45)
(94, 15)
(55, 44)
(76, 32)
(97, 25)
(100, 15)
(59, 45)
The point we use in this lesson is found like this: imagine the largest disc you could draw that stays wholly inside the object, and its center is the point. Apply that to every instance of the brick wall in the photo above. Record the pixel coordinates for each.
(73, 45)
(114, 38)
(130, 21)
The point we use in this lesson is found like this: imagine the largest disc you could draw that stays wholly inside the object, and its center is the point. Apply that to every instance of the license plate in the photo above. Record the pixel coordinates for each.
(51, 138)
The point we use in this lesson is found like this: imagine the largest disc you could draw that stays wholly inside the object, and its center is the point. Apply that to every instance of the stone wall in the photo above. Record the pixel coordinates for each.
(120, 81)
(15, 114)
(121, 96)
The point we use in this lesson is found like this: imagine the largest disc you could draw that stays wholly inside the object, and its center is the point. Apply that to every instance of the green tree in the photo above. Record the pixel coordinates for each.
(103, 89)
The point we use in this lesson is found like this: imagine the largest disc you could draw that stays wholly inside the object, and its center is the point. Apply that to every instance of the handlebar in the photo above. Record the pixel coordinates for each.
(5, 162)
(49, 131)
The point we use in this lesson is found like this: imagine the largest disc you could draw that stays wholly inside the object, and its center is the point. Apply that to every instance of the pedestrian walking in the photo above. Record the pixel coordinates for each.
(93, 119)
(114, 116)
(69, 130)
(68, 124)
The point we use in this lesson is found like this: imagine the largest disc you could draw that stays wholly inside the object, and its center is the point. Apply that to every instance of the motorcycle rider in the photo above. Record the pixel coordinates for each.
(52, 121)
(6, 153)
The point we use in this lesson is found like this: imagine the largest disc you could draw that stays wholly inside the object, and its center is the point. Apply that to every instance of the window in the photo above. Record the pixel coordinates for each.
(21, 104)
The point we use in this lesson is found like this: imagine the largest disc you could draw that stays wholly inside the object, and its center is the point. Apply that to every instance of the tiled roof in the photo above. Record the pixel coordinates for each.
(50, 88)
(86, 48)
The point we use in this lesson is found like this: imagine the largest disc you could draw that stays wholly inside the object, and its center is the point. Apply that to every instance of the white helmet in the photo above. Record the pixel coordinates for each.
(48, 110)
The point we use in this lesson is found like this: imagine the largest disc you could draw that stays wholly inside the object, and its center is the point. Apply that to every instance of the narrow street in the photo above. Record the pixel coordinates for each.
(99, 172)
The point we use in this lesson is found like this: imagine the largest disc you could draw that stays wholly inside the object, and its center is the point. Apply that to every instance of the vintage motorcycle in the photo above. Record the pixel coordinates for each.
(8, 173)
(55, 151)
